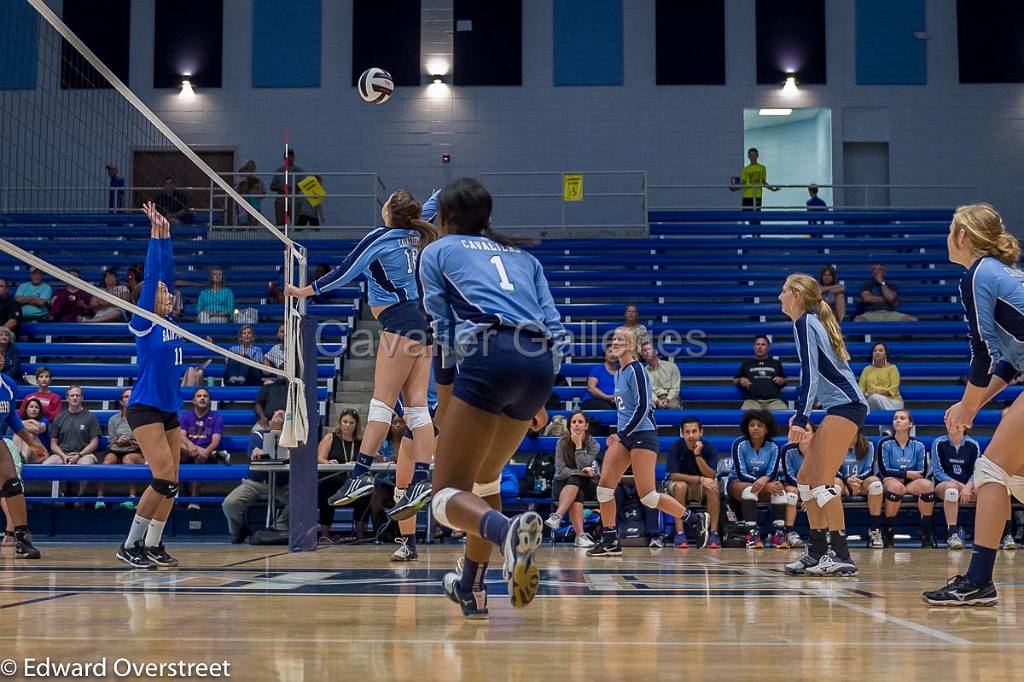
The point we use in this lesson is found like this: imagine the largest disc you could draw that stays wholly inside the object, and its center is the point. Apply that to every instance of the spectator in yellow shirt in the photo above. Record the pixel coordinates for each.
(753, 180)
(880, 381)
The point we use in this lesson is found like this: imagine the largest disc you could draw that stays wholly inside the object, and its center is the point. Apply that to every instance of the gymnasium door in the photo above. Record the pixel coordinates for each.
(865, 163)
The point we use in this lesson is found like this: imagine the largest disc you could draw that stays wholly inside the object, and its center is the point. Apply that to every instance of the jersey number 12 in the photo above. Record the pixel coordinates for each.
(502, 274)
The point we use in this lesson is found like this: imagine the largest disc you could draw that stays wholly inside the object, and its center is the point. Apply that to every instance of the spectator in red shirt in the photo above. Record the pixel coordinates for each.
(49, 400)
(69, 303)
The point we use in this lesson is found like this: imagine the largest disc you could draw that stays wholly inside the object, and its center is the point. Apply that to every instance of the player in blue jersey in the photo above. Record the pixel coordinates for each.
(387, 256)
(635, 443)
(825, 378)
(493, 318)
(992, 293)
(11, 489)
(755, 473)
(952, 470)
(902, 464)
(791, 458)
(857, 479)
(153, 407)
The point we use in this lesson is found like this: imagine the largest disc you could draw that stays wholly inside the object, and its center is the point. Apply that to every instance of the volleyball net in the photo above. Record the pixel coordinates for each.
(80, 155)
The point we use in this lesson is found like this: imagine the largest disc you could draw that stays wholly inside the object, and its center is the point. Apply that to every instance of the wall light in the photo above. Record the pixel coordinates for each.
(789, 88)
(437, 78)
(186, 89)
(774, 112)
(438, 66)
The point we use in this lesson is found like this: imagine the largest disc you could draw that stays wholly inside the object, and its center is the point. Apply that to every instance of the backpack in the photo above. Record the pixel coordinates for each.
(540, 470)
(631, 518)
(557, 427)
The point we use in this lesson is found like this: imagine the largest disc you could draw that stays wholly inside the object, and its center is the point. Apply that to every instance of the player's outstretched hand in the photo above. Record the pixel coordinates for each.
(157, 220)
(304, 292)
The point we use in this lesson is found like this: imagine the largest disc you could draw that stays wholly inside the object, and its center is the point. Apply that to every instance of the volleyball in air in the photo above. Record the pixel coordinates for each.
(376, 86)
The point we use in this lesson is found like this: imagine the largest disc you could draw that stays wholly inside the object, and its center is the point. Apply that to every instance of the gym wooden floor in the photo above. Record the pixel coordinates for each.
(347, 613)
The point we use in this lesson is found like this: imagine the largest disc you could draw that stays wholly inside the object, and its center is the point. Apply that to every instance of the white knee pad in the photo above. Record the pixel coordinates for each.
(823, 494)
(805, 492)
(952, 495)
(379, 412)
(440, 502)
(987, 471)
(781, 498)
(651, 499)
(792, 499)
(488, 489)
(875, 488)
(417, 417)
(605, 494)
(748, 494)
(399, 494)
(1016, 486)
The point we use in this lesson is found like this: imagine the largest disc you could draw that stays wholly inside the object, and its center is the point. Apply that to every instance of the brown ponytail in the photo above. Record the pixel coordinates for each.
(405, 213)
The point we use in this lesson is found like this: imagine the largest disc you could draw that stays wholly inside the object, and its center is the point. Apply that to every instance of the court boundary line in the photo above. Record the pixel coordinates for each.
(38, 599)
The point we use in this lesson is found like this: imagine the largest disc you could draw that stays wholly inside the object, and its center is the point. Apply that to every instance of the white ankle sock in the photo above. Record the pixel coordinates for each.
(155, 533)
(137, 531)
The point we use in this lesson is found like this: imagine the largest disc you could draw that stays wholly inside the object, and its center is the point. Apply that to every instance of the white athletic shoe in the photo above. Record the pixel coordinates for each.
(1008, 542)
(830, 566)
(554, 522)
(954, 541)
(584, 541)
(875, 539)
(794, 539)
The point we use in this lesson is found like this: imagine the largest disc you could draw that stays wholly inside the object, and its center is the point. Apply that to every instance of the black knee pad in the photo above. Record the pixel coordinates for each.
(928, 497)
(166, 488)
(893, 497)
(12, 487)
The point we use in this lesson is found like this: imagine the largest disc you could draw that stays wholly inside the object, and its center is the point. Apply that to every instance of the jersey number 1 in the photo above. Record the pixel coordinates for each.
(502, 274)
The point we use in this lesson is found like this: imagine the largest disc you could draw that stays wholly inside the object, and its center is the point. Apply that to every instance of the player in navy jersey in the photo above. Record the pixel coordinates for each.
(11, 489)
(635, 443)
(857, 479)
(494, 319)
(952, 470)
(825, 378)
(992, 293)
(153, 407)
(387, 256)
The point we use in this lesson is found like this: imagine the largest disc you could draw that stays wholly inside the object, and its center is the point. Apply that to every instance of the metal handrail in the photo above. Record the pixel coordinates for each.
(969, 193)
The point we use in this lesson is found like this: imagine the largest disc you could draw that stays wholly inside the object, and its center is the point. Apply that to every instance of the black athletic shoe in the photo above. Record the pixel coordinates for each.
(159, 556)
(23, 547)
(889, 536)
(354, 488)
(417, 497)
(703, 521)
(927, 538)
(135, 556)
(959, 591)
(472, 603)
(605, 549)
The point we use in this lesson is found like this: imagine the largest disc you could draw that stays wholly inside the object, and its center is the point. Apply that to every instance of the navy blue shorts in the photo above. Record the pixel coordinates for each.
(508, 374)
(854, 412)
(642, 440)
(442, 376)
(407, 319)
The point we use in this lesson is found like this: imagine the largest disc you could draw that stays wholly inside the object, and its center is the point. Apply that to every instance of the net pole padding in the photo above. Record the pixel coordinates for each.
(303, 521)
(66, 277)
(125, 91)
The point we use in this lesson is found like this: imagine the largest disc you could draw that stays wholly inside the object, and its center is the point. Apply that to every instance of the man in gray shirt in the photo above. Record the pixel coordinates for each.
(75, 433)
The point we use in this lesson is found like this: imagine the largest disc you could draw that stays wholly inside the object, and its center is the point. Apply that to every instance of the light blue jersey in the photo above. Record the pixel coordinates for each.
(750, 464)
(861, 468)
(159, 349)
(792, 459)
(824, 377)
(387, 256)
(634, 398)
(895, 460)
(471, 284)
(993, 298)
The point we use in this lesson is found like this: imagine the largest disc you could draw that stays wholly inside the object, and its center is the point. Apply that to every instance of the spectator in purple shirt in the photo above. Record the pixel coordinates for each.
(202, 429)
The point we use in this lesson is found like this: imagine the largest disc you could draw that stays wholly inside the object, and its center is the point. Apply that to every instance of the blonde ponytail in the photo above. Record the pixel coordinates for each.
(1006, 249)
(809, 291)
(986, 232)
(835, 334)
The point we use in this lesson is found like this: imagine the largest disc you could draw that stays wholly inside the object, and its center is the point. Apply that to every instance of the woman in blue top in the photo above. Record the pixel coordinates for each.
(825, 378)
(387, 256)
(857, 478)
(903, 468)
(755, 472)
(992, 293)
(635, 443)
(153, 407)
(495, 321)
(952, 461)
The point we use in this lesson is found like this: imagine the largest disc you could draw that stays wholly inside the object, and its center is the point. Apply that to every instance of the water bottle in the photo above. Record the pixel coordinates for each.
(576, 404)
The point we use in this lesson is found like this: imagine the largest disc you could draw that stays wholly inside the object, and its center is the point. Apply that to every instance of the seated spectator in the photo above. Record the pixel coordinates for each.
(49, 400)
(103, 311)
(238, 374)
(815, 203)
(12, 356)
(631, 319)
(34, 297)
(256, 488)
(902, 464)
(133, 275)
(832, 291)
(70, 302)
(122, 448)
(10, 309)
(601, 384)
(880, 381)
(755, 471)
(575, 480)
(252, 190)
(217, 301)
(952, 463)
(880, 299)
(75, 434)
(761, 379)
(691, 469)
(172, 204)
(275, 356)
(791, 458)
(338, 447)
(664, 379)
(857, 478)
(35, 421)
(388, 449)
(271, 398)
(201, 431)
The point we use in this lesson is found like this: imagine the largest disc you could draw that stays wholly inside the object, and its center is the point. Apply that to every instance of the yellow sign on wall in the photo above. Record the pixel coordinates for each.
(572, 187)
(312, 190)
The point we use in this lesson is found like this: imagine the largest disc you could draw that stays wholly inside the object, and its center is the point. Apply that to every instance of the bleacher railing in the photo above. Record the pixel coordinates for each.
(794, 196)
(535, 202)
